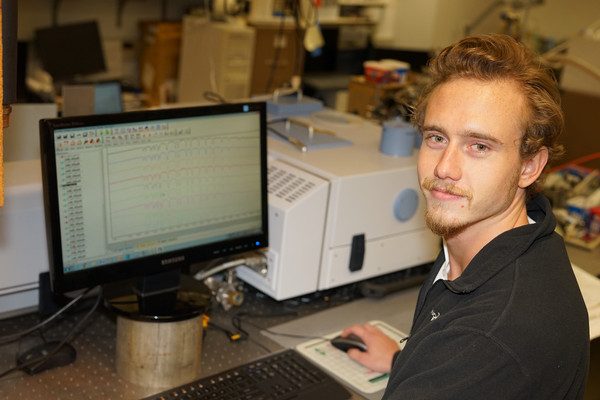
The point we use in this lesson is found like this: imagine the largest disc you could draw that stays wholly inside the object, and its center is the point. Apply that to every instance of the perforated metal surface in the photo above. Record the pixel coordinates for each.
(93, 374)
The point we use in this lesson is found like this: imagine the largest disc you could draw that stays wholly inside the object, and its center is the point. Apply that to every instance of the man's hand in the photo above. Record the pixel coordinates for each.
(380, 347)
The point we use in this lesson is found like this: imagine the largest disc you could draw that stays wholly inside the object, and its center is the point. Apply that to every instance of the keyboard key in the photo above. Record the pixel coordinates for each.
(278, 376)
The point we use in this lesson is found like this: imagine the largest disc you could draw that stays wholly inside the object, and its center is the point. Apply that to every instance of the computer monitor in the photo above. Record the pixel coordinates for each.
(70, 51)
(138, 194)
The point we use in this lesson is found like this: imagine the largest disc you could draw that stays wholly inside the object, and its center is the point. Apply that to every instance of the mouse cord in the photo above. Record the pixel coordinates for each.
(237, 322)
(68, 337)
(17, 336)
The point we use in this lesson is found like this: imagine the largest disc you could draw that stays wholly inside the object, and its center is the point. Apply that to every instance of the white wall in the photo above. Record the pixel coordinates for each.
(35, 14)
(562, 18)
(432, 24)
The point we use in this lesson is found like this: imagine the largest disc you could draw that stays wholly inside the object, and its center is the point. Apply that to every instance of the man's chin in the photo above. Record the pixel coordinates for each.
(443, 228)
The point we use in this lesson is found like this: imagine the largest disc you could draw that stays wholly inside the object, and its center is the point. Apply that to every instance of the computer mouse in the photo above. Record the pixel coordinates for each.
(49, 359)
(349, 342)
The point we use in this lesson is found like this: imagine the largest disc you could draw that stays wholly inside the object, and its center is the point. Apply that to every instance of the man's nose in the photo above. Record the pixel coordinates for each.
(449, 165)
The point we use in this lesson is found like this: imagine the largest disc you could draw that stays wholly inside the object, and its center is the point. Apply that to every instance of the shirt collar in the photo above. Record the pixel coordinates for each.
(445, 268)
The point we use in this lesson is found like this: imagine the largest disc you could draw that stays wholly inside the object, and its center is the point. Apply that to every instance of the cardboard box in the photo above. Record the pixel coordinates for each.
(581, 127)
(278, 56)
(364, 96)
(159, 61)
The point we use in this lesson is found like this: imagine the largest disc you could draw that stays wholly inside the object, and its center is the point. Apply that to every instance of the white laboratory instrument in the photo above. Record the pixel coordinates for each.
(342, 214)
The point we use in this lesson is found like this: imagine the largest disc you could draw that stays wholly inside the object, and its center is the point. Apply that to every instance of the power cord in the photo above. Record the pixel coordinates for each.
(237, 320)
(67, 338)
(251, 261)
(16, 336)
(232, 336)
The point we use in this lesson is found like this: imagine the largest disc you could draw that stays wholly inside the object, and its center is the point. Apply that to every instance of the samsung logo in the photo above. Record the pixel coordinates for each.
(173, 260)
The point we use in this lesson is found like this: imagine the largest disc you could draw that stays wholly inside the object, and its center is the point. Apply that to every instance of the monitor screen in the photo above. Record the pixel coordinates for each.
(134, 194)
(70, 51)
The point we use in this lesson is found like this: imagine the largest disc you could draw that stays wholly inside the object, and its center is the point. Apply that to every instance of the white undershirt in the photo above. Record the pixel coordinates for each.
(445, 269)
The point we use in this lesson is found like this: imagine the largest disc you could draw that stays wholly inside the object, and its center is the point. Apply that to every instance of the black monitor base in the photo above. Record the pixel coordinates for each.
(162, 298)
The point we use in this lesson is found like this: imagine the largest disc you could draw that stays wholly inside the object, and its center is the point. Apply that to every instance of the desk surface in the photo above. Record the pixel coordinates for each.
(93, 375)
(587, 259)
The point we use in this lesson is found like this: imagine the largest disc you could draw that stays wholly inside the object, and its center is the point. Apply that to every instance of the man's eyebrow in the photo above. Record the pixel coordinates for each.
(483, 136)
(467, 134)
(433, 128)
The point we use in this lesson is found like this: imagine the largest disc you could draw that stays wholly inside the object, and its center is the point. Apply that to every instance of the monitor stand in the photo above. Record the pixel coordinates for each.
(164, 297)
(160, 322)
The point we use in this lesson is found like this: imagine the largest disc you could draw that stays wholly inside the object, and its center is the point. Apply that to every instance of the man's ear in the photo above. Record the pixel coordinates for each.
(533, 168)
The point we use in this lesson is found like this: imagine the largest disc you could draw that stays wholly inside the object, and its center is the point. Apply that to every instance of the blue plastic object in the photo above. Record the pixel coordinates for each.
(292, 105)
(405, 205)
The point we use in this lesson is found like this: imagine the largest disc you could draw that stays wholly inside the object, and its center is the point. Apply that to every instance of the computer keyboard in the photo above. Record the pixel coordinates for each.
(281, 376)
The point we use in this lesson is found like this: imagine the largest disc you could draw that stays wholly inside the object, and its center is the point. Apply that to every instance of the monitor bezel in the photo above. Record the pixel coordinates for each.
(62, 282)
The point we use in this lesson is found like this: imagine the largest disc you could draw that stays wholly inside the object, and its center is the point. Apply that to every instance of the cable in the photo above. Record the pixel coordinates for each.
(232, 336)
(576, 62)
(202, 275)
(236, 320)
(525, 20)
(555, 59)
(251, 260)
(212, 73)
(67, 337)
(299, 38)
(276, 55)
(482, 16)
(17, 336)
(214, 97)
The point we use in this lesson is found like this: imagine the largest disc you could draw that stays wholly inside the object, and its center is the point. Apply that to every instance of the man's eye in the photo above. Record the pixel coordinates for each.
(480, 147)
(437, 139)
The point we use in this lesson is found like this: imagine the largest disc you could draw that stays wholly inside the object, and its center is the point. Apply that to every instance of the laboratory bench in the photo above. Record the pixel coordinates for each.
(267, 322)
(270, 325)
(587, 259)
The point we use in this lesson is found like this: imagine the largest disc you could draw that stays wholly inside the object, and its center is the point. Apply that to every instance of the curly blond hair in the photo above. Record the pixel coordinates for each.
(490, 57)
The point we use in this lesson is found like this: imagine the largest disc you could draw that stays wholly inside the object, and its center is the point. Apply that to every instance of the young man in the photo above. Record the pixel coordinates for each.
(500, 315)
